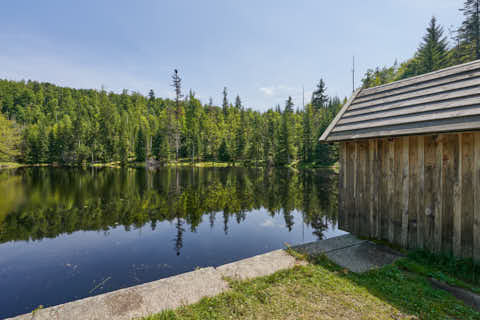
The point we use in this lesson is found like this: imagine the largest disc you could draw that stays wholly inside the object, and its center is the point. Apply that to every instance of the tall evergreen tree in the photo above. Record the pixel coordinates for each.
(268, 140)
(223, 153)
(53, 152)
(432, 53)
(141, 146)
(238, 103)
(285, 151)
(307, 138)
(177, 84)
(240, 139)
(469, 32)
(42, 145)
(192, 125)
(319, 96)
(124, 143)
(225, 101)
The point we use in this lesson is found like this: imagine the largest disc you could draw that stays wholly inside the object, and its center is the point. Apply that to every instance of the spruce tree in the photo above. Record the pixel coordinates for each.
(469, 32)
(240, 142)
(53, 155)
(268, 141)
(223, 154)
(225, 101)
(141, 146)
(319, 96)
(238, 103)
(42, 145)
(307, 140)
(156, 144)
(285, 150)
(432, 53)
(177, 84)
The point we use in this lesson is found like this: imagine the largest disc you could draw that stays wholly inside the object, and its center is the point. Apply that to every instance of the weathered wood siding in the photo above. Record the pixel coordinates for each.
(417, 191)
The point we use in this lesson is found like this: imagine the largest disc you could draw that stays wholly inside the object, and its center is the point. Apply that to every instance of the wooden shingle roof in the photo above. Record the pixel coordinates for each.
(446, 100)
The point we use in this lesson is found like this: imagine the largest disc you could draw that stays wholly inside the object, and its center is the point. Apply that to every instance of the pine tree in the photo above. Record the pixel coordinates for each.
(469, 32)
(141, 146)
(192, 125)
(225, 102)
(240, 142)
(177, 84)
(53, 152)
(151, 100)
(319, 96)
(42, 146)
(223, 154)
(432, 53)
(307, 142)
(268, 141)
(289, 105)
(124, 147)
(156, 144)
(238, 103)
(285, 151)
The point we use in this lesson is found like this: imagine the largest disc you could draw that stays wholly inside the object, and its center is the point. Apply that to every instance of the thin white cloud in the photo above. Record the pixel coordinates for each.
(268, 223)
(268, 91)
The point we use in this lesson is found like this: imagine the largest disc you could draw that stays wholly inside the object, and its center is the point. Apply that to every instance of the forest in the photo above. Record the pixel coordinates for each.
(437, 50)
(45, 123)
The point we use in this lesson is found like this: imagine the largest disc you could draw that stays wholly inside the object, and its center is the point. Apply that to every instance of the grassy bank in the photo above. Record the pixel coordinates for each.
(322, 290)
(10, 165)
(180, 163)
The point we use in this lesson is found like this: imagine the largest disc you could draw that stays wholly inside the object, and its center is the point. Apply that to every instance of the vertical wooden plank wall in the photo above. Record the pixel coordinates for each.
(417, 192)
(476, 177)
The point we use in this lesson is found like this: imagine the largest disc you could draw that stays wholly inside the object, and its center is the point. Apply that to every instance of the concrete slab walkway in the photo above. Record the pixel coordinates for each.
(191, 287)
(351, 253)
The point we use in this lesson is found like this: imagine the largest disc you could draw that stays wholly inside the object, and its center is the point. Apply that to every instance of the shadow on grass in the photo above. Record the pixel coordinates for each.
(405, 284)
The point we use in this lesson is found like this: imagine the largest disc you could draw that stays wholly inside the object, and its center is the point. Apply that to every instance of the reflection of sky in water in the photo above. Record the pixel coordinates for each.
(68, 267)
(72, 266)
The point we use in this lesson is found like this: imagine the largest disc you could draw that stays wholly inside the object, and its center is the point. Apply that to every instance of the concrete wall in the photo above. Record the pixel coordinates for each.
(417, 191)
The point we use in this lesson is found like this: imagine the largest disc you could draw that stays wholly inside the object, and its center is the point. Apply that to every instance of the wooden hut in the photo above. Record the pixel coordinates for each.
(410, 161)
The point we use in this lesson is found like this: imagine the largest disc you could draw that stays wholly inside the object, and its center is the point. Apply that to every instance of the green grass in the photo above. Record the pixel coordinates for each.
(461, 273)
(10, 165)
(322, 290)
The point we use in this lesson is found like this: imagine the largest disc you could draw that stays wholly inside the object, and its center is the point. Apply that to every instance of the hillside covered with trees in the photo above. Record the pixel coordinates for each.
(45, 123)
(436, 50)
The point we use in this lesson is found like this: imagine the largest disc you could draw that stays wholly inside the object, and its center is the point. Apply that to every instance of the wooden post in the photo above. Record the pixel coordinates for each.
(421, 192)
(457, 203)
(356, 219)
(413, 193)
(429, 204)
(373, 187)
(438, 192)
(390, 187)
(467, 195)
(405, 189)
(341, 187)
(476, 188)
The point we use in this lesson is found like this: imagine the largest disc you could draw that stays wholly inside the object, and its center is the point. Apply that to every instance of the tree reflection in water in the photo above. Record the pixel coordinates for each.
(39, 203)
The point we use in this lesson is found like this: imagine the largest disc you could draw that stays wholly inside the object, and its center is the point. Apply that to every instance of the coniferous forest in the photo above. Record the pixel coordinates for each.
(438, 49)
(45, 123)
(50, 124)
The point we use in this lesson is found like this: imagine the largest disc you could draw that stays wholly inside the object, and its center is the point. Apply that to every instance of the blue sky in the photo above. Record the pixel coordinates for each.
(262, 50)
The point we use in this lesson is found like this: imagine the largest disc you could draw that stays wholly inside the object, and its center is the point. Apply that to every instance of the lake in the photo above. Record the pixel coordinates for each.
(67, 234)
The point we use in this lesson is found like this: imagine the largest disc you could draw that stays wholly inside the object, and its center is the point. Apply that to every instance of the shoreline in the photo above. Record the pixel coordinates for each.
(156, 164)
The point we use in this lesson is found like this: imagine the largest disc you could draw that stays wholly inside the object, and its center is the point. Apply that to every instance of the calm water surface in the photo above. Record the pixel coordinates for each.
(67, 234)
